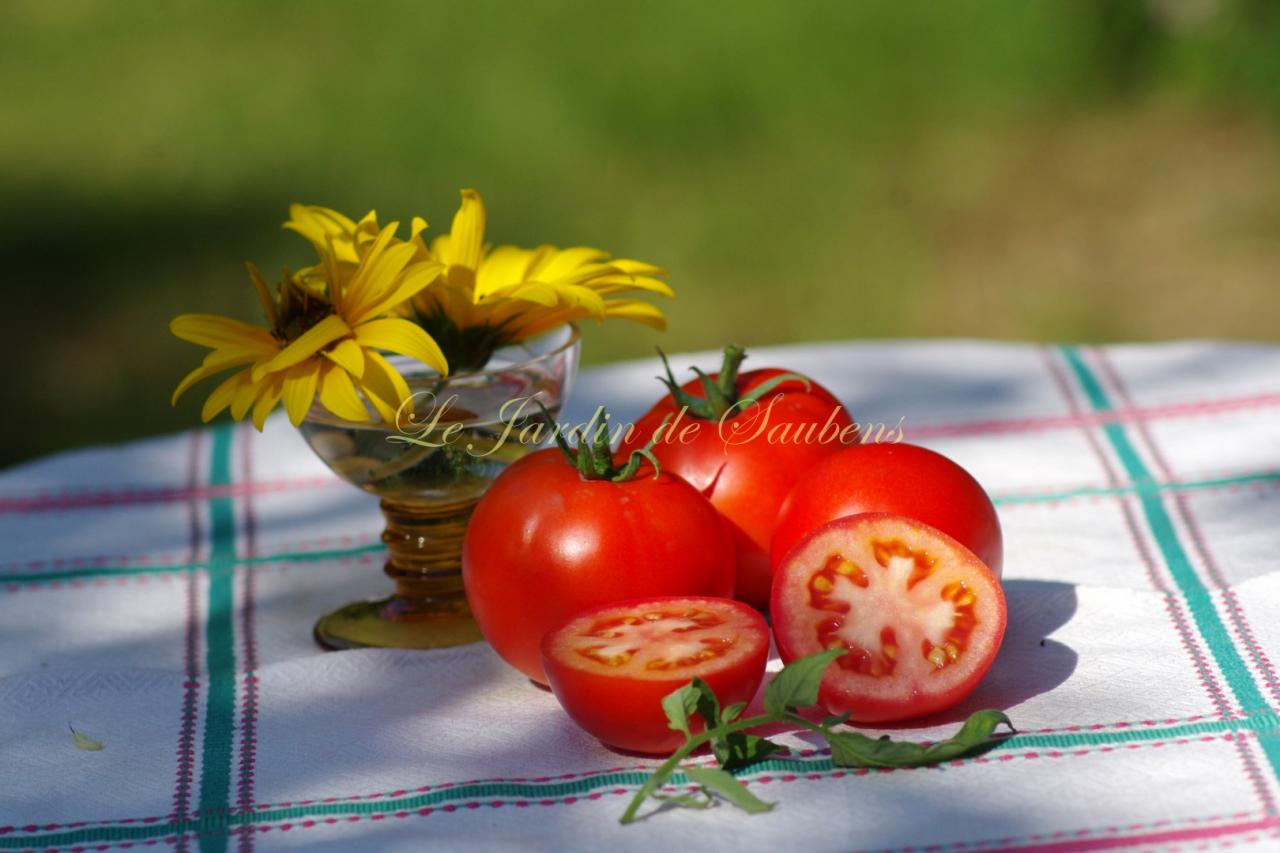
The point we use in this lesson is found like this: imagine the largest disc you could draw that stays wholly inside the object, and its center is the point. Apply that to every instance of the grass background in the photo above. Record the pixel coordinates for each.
(1050, 170)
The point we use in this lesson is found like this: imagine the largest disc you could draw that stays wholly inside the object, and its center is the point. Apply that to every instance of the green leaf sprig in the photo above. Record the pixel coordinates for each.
(795, 687)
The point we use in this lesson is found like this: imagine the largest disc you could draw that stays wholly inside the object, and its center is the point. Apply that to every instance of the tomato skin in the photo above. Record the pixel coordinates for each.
(902, 479)
(544, 544)
(911, 689)
(625, 712)
(748, 478)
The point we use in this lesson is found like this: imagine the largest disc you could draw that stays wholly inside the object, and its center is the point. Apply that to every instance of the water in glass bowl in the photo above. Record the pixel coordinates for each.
(448, 445)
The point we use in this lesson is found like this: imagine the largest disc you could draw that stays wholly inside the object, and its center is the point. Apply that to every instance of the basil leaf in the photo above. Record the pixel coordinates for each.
(851, 749)
(728, 715)
(707, 705)
(836, 720)
(678, 705)
(740, 749)
(719, 782)
(796, 686)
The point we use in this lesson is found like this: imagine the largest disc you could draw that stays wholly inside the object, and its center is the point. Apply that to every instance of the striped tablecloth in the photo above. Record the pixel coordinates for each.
(159, 597)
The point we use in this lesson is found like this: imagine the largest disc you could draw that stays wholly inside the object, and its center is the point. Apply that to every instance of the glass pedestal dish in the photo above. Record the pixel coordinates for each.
(430, 469)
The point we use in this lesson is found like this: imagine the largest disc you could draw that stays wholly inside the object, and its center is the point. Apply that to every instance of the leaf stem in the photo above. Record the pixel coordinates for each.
(668, 767)
(793, 717)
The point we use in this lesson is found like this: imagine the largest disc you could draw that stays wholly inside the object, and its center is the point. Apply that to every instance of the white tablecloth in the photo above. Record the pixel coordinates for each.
(159, 597)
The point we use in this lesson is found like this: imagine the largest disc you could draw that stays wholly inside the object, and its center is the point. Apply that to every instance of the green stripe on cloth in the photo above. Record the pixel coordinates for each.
(1194, 592)
(1256, 478)
(162, 568)
(159, 569)
(219, 725)
(1259, 478)
(217, 826)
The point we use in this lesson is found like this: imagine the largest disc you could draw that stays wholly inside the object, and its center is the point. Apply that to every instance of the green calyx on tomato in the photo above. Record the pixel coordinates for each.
(593, 456)
(721, 393)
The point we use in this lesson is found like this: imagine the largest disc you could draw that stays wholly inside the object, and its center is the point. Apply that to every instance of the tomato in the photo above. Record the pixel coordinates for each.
(898, 478)
(611, 666)
(546, 542)
(746, 458)
(921, 615)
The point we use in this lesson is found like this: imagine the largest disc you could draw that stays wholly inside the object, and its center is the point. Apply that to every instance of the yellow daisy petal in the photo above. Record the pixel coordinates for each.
(320, 225)
(503, 267)
(222, 396)
(640, 312)
(263, 291)
(535, 291)
(392, 284)
(300, 390)
(466, 237)
(267, 399)
(211, 330)
(566, 261)
(320, 335)
(633, 267)
(383, 386)
(214, 363)
(530, 325)
(402, 336)
(338, 394)
(243, 399)
(350, 355)
(620, 283)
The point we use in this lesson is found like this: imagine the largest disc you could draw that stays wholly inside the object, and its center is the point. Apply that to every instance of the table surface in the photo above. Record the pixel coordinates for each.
(159, 597)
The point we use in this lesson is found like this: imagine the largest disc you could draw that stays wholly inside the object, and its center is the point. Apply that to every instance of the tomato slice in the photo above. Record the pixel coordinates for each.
(921, 617)
(610, 666)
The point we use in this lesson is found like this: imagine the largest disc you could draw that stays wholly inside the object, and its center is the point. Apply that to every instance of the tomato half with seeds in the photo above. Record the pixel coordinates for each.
(611, 666)
(921, 617)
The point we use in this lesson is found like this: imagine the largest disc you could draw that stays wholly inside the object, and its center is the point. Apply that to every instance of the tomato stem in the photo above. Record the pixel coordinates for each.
(721, 395)
(593, 456)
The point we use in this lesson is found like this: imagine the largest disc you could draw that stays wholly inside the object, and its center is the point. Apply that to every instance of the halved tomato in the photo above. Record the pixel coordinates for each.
(611, 666)
(921, 617)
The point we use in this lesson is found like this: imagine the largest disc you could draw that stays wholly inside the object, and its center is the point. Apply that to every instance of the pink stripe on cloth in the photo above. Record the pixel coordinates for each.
(249, 649)
(1269, 826)
(1128, 414)
(1173, 603)
(87, 500)
(1236, 617)
(163, 559)
(62, 501)
(191, 650)
(1235, 613)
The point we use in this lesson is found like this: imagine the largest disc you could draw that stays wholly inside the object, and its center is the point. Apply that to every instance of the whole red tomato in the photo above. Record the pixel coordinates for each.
(743, 440)
(555, 535)
(902, 479)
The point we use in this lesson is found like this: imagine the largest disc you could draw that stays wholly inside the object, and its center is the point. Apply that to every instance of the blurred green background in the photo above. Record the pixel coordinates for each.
(1104, 170)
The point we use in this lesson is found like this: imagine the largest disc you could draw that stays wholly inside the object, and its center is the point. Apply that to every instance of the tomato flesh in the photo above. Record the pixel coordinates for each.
(919, 615)
(611, 666)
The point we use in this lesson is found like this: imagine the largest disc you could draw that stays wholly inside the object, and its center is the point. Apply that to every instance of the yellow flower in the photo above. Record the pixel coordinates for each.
(328, 325)
(490, 297)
